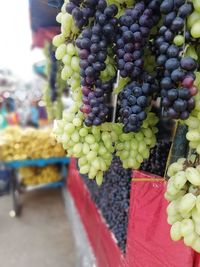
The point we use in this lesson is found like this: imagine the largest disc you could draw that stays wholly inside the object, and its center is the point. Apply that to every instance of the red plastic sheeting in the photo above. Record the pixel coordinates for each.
(149, 243)
(43, 35)
(105, 248)
(196, 260)
(148, 238)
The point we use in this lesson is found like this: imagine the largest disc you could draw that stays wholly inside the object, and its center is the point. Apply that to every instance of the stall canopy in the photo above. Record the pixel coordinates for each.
(43, 20)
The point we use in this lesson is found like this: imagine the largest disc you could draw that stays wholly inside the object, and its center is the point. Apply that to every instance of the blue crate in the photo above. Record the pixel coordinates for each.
(36, 162)
(5, 177)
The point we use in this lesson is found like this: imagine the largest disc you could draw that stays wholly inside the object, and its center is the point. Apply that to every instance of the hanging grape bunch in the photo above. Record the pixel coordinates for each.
(103, 42)
(176, 70)
(54, 86)
(184, 196)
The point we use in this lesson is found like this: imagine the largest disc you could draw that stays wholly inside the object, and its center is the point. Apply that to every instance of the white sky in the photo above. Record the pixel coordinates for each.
(15, 38)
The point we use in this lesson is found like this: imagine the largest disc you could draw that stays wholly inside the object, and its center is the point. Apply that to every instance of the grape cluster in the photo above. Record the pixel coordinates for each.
(68, 27)
(54, 86)
(184, 208)
(193, 21)
(193, 122)
(133, 148)
(71, 69)
(133, 101)
(94, 103)
(95, 145)
(135, 26)
(52, 74)
(156, 163)
(81, 11)
(176, 72)
(112, 199)
(93, 43)
(92, 145)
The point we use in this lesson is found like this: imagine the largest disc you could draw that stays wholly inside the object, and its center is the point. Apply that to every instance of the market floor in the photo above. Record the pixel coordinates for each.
(41, 237)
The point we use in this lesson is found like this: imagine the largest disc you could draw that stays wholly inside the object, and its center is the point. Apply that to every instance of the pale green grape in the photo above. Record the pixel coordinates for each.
(195, 16)
(183, 211)
(61, 51)
(196, 4)
(71, 50)
(179, 40)
(195, 30)
(58, 40)
(133, 148)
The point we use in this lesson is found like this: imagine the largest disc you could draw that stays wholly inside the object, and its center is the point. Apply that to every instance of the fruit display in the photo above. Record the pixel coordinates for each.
(28, 143)
(112, 199)
(121, 59)
(138, 53)
(54, 86)
(156, 163)
(39, 175)
(183, 194)
(95, 145)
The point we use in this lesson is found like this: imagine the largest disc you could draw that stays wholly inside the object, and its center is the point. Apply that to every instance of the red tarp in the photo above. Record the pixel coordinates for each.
(148, 239)
(43, 35)
(149, 243)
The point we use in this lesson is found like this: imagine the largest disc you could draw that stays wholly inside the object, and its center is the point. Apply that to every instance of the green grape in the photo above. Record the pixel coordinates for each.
(196, 5)
(71, 50)
(179, 40)
(67, 59)
(132, 148)
(92, 145)
(183, 211)
(58, 40)
(195, 16)
(195, 30)
(59, 17)
(61, 51)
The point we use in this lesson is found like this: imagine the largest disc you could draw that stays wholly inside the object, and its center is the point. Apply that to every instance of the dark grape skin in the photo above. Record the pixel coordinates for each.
(133, 100)
(112, 199)
(157, 164)
(185, 10)
(135, 26)
(175, 69)
(188, 63)
(167, 6)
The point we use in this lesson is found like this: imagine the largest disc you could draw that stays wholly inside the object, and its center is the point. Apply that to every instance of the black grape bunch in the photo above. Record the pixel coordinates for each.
(81, 11)
(133, 37)
(112, 199)
(156, 163)
(133, 100)
(135, 27)
(175, 71)
(93, 46)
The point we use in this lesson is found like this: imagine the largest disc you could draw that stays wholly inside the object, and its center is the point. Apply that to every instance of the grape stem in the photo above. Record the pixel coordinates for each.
(115, 96)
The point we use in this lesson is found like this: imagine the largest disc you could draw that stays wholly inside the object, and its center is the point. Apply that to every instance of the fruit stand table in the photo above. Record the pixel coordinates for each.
(17, 188)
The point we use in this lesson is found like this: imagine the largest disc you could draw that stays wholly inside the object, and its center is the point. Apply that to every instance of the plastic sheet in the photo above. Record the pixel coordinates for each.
(149, 243)
(148, 238)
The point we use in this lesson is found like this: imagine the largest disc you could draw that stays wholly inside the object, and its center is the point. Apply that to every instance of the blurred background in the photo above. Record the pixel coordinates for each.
(30, 159)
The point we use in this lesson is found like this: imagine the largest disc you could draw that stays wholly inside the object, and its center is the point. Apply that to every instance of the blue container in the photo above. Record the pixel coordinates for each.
(5, 177)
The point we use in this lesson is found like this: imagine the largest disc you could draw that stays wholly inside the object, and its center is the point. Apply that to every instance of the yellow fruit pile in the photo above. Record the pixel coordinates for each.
(17, 144)
(39, 175)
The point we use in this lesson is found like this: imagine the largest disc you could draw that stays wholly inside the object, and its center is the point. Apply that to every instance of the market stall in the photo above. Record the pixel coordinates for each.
(40, 164)
(132, 70)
